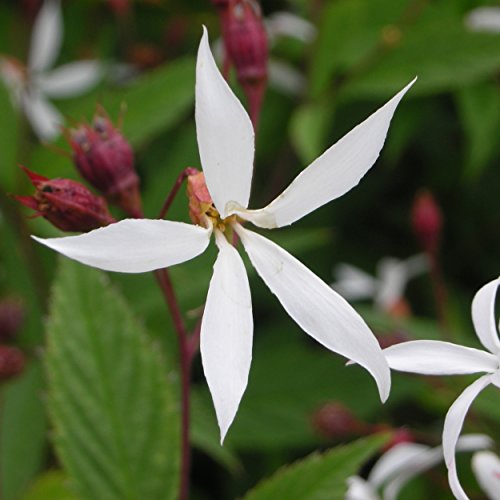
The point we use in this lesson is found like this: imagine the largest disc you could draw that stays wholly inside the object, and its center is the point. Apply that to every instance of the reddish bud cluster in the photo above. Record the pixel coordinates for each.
(12, 362)
(245, 42)
(427, 221)
(11, 318)
(104, 158)
(336, 421)
(199, 197)
(67, 204)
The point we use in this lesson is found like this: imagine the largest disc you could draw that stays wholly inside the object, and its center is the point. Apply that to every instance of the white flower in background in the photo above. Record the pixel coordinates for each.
(486, 467)
(386, 288)
(396, 467)
(432, 357)
(226, 144)
(485, 19)
(33, 86)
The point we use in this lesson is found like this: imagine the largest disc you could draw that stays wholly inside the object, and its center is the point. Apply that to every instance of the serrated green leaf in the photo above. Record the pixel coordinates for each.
(111, 398)
(319, 476)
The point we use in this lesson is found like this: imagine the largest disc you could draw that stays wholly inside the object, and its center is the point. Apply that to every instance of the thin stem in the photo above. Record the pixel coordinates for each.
(175, 189)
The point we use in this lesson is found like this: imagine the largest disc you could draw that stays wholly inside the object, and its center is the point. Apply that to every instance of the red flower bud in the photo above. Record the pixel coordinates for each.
(199, 197)
(427, 221)
(245, 40)
(11, 318)
(12, 362)
(104, 158)
(67, 204)
(334, 420)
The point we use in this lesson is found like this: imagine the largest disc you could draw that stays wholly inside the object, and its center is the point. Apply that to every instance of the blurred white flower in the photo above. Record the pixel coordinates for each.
(386, 289)
(486, 467)
(33, 86)
(226, 144)
(432, 357)
(397, 466)
(485, 19)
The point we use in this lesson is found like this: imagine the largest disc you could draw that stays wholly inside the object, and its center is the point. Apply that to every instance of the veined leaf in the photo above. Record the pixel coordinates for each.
(111, 399)
(319, 476)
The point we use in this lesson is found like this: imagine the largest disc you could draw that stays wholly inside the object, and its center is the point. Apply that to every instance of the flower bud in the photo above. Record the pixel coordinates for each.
(245, 40)
(11, 318)
(104, 158)
(334, 420)
(427, 221)
(67, 204)
(200, 200)
(12, 362)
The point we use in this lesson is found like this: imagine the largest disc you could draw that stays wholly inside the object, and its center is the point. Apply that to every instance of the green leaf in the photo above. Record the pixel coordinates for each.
(22, 432)
(51, 486)
(479, 109)
(111, 399)
(319, 476)
(9, 125)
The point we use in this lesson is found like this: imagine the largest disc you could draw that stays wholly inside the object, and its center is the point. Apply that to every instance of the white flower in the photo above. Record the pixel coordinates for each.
(386, 288)
(401, 464)
(486, 467)
(33, 86)
(226, 144)
(431, 357)
(485, 19)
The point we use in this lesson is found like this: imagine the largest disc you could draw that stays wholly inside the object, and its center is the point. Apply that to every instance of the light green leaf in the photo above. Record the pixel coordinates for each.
(52, 485)
(110, 396)
(22, 431)
(319, 476)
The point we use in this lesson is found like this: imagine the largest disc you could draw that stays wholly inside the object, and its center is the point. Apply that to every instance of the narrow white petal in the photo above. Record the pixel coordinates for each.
(453, 425)
(433, 357)
(392, 282)
(43, 116)
(70, 79)
(353, 283)
(316, 308)
(226, 334)
(335, 172)
(225, 134)
(287, 24)
(285, 78)
(483, 315)
(486, 467)
(134, 245)
(46, 37)
(393, 461)
(486, 19)
(359, 489)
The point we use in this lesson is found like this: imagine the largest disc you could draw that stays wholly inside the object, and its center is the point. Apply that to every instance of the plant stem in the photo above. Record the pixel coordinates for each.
(175, 189)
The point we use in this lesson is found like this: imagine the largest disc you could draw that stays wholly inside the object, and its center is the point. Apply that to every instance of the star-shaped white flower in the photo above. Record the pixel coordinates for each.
(486, 467)
(386, 288)
(403, 462)
(432, 357)
(226, 144)
(33, 86)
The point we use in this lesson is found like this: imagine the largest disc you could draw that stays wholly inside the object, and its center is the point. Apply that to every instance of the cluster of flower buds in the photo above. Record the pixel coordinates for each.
(105, 159)
(427, 222)
(12, 359)
(246, 48)
(67, 204)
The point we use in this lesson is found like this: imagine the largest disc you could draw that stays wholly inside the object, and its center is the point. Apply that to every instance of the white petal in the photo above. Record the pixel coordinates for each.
(316, 308)
(134, 245)
(353, 283)
(392, 278)
(225, 134)
(70, 79)
(43, 116)
(483, 315)
(288, 24)
(46, 37)
(335, 172)
(453, 425)
(226, 334)
(359, 489)
(486, 467)
(393, 461)
(285, 78)
(485, 19)
(433, 357)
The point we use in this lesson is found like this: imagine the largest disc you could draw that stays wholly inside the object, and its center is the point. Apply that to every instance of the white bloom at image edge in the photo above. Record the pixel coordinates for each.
(404, 461)
(486, 467)
(226, 144)
(432, 357)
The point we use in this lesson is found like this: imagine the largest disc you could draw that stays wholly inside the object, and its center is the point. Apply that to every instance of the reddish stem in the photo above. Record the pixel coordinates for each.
(175, 189)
